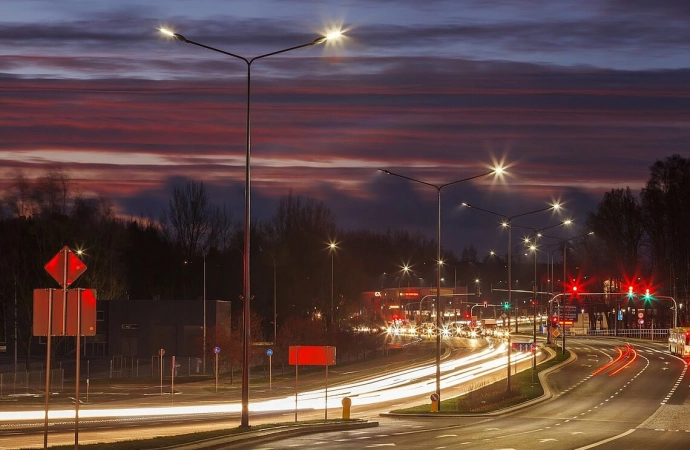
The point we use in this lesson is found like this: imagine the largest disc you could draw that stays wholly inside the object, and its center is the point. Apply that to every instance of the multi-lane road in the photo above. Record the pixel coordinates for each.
(615, 395)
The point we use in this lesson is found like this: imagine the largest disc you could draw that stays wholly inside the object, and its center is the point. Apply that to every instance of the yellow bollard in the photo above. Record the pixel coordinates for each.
(434, 402)
(346, 408)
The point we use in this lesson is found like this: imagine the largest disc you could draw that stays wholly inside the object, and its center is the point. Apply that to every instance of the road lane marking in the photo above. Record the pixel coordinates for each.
(606, 441)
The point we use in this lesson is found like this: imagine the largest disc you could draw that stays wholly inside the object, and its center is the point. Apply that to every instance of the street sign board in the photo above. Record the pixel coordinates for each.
(88, 312)
(311, 355)
(640, 315)
(569, 312)
(56, 267)
(555, 333)
(523, 346)
(640, 321)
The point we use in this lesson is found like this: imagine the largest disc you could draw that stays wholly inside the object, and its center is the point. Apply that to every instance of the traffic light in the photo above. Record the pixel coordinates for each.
(506, 306)
(554, 321)
(573, 291)
(486, 303)
(631, 292)
(467, 315)
(647, 295)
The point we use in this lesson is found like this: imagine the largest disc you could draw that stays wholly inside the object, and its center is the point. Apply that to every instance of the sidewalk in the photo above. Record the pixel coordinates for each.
(277, 432)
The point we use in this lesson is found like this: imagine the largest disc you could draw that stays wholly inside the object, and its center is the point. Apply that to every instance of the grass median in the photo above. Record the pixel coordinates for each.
(489, 397)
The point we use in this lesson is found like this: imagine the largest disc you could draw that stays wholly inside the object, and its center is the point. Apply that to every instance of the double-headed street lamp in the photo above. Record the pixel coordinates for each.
(565, 250)
(247, 191)
(533, 247)
(439, 187)
(507, 223)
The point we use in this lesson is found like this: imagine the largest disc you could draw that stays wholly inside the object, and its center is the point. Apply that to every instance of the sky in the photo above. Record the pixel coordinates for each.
(574, 99)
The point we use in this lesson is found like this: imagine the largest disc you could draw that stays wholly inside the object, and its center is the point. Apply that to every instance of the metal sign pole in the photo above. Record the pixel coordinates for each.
(172, 380)
(78, 368)
(48, 350)
(296, 377)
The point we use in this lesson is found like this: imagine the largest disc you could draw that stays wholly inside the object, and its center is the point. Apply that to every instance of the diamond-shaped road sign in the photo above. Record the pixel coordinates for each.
(74, 267)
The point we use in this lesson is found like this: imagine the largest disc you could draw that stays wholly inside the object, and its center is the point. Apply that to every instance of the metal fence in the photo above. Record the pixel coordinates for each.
(30, 382)
(655, 334)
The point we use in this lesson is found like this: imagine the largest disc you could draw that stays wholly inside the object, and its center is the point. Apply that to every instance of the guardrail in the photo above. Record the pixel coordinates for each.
(640, 333)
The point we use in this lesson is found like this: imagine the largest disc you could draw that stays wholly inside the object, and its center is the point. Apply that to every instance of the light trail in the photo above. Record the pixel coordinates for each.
(404, 384)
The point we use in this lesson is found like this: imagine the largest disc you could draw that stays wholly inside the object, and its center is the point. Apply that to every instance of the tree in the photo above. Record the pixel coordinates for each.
(299, 233)
(618, 223)
(666, 213)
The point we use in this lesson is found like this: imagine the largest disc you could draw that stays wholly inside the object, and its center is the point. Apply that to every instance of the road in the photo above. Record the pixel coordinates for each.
(400, 381)
(612, 396)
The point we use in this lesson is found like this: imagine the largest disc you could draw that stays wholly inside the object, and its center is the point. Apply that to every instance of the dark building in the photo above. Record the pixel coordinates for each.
(141, 328)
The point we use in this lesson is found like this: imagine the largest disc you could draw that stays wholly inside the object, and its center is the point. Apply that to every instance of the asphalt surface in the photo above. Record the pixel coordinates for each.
(604, 398)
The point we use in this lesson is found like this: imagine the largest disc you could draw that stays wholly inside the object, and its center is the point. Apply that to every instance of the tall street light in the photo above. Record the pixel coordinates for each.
(507, 223)
(332, 247)
(204, 321)
(438, 187)
(533, 247)
(246, 292)
(565, 250)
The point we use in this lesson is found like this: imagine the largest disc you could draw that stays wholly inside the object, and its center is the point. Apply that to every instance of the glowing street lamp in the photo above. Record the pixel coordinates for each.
(439, 187)
(332, 247)
(507, 221)
(247, 191)
(533, 247)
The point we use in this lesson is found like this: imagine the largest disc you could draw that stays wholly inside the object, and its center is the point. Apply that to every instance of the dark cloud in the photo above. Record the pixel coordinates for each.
(435, 97)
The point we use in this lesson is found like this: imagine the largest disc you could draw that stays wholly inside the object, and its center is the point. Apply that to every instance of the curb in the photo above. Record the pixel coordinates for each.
(269, 434)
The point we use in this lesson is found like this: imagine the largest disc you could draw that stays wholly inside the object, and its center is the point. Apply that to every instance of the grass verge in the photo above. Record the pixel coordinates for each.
(488, 397)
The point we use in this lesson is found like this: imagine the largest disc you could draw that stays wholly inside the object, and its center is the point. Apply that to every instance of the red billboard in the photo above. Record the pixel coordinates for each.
(311, 355)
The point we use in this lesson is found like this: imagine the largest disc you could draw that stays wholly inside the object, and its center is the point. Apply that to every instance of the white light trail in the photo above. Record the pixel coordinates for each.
(403, 384)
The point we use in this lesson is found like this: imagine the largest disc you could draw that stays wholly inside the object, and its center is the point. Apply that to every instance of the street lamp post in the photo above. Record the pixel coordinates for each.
(507, 224)
(565, 249)
(246, 291)
(537, 234)
(438, 188)
(204, 321)
(332, 247)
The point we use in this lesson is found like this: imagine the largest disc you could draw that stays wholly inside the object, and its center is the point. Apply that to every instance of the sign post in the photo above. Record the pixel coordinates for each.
(216, 352)
(269, 352)
(309, 355)
(65, 267)
(161, 352)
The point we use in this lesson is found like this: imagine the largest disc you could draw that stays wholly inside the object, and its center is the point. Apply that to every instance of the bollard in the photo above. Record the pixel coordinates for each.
(346, 408)
(434, 402)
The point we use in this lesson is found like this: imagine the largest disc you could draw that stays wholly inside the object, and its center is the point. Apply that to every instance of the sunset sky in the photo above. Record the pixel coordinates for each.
(577, 98)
